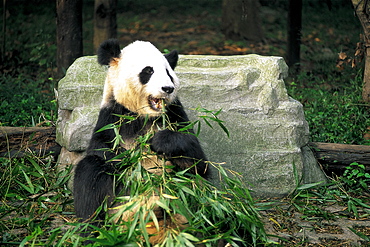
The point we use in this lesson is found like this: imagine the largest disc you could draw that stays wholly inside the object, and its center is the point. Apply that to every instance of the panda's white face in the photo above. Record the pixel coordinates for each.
(142, 79)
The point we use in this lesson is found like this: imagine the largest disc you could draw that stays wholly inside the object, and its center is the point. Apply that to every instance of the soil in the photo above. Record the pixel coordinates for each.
(192, 33)
(289, 227)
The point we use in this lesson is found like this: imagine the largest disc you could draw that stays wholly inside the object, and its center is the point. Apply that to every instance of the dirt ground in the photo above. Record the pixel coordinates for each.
(291, 228)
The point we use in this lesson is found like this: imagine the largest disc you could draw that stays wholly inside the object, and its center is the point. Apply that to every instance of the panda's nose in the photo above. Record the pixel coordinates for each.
(168, 90)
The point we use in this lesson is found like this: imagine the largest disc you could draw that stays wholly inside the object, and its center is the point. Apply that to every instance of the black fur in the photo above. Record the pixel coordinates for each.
(145, 74)
(93, 181)
(172, 58)
(108, 50)
(168, 73)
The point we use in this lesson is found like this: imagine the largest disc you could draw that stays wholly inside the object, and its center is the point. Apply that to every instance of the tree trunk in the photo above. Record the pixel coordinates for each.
(241, 20)
(69, 33)
(294, 34)
(2, 58)
(366, 80)
(362, 12)
(105, 24)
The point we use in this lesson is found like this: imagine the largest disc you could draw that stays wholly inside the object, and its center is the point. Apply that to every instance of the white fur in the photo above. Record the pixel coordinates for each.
(123, 81)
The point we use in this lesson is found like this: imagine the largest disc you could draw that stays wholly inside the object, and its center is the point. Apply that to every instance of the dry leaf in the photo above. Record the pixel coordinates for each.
(342, 55)
(169, 196)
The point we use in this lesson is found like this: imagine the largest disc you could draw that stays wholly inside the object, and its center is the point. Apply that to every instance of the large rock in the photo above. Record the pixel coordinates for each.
(268, 131)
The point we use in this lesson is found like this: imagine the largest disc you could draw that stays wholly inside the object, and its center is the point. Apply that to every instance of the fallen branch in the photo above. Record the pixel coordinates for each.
(17, 141)
(338, 156)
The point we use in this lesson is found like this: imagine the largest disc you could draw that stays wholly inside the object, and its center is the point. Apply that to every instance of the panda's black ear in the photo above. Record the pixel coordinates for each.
(108, 50)
(172, 58)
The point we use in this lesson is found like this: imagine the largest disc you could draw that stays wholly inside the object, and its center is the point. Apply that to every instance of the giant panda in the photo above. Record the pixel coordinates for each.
(140, 82)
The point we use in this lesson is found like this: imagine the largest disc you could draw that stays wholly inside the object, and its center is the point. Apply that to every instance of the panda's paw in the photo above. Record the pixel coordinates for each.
(183, 150)
(168, 143)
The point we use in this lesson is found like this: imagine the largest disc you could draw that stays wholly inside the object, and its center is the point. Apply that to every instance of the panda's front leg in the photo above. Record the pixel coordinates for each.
(182, 149)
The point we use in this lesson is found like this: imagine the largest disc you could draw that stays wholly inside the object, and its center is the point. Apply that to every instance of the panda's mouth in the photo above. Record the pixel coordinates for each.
(156, 104)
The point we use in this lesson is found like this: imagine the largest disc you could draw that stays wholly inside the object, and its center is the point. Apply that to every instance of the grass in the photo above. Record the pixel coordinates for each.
(27, 106)
(335, 114)
(27, 72)
(34, 198)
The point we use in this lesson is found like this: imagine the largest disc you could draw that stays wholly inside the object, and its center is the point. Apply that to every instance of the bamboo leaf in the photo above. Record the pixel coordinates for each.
(29, 182)
(30, 190)
(187, 190)
(223, 127)
(162, 205)
(36, 166)
(188, 127)
(169, 196)
(106, 127)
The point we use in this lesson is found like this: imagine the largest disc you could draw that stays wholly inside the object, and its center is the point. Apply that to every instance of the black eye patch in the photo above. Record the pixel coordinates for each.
(168, 73)
(145, 74)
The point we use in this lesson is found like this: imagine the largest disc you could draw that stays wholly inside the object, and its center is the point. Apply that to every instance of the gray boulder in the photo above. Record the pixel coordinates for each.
(268, 131)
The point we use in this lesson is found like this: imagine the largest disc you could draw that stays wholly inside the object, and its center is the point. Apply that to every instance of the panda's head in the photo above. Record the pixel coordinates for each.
(139, 76)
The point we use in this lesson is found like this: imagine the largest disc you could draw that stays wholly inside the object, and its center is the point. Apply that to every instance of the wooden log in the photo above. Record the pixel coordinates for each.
(338, 156)
(17, 141)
